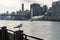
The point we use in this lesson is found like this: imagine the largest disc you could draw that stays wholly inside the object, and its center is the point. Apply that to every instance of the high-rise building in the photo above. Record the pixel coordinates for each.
(7, 12)
(45, 8)
(56, 10)
(34, 9)
(22, 8)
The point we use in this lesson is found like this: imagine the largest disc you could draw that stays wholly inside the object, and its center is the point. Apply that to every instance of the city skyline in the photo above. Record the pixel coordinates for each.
(15, 5)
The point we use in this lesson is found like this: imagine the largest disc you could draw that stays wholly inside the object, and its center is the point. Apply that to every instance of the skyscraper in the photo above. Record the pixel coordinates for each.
(56, 10)
(7, 12)
(22, 8)
(34, 9)
(45, 8)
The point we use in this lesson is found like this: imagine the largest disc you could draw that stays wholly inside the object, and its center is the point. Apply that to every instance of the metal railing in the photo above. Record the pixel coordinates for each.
(17, 35)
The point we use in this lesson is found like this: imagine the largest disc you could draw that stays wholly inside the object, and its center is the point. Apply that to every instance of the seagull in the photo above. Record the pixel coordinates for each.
(19, 26)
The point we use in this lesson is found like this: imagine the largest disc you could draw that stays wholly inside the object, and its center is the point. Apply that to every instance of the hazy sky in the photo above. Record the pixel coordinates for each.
(14, 5)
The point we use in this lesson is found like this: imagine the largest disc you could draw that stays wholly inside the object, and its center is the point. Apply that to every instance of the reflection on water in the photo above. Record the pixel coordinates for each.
(42, 29)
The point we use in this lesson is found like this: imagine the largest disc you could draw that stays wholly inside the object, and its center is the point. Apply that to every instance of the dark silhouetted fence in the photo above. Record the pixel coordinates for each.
(16, 35)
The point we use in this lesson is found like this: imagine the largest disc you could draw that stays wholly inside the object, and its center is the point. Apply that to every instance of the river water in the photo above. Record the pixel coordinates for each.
(42, 29)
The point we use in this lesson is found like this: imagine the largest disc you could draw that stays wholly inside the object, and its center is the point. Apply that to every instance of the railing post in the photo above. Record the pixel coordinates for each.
(14, 35)
(19, 35)
(0, 35)
(4, 33)
(25, 37)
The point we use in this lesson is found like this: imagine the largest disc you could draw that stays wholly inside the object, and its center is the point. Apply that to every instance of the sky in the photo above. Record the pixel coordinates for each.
(15, 5)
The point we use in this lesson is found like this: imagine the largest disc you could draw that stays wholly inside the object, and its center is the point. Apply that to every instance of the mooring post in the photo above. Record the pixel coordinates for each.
(4, 33)
(19, 35)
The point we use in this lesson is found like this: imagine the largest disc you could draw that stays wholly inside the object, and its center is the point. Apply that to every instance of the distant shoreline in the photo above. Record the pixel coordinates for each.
(30, 20)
